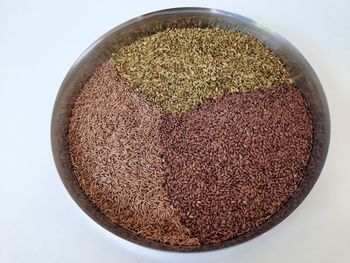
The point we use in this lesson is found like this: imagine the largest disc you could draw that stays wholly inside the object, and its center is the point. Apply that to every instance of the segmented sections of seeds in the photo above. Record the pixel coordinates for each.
(115, 151)
(206, 142)
(179, 68)
(232, 163)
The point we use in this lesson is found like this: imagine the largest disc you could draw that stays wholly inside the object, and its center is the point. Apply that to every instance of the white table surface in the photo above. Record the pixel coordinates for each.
(39, 222)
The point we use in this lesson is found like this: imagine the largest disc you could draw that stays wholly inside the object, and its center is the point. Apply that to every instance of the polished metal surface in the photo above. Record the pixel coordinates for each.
(300, 70)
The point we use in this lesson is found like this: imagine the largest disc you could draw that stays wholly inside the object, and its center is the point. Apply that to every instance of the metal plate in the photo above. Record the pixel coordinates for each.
(297, 66)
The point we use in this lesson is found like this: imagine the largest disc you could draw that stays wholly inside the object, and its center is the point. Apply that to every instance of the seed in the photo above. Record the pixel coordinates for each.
(177, 69)
(247, 202)
(190, 136)
(114, 147)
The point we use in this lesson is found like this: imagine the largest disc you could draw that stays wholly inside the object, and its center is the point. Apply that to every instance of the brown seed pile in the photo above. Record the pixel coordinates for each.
(231, 163)
(114, 147)
(180, 68)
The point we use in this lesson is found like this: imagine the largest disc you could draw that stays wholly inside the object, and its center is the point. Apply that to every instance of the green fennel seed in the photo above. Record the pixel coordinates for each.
(177, 69)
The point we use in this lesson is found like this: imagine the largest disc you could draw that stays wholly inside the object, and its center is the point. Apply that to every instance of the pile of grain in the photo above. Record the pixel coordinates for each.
(232, 163)
(180, 68)
(115, 151)
(190, 136)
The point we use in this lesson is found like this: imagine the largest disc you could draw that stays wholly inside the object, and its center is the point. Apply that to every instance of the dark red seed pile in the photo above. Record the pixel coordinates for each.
(232, 163)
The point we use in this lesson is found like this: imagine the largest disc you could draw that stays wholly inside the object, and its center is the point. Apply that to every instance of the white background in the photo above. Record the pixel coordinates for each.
(39, 222)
